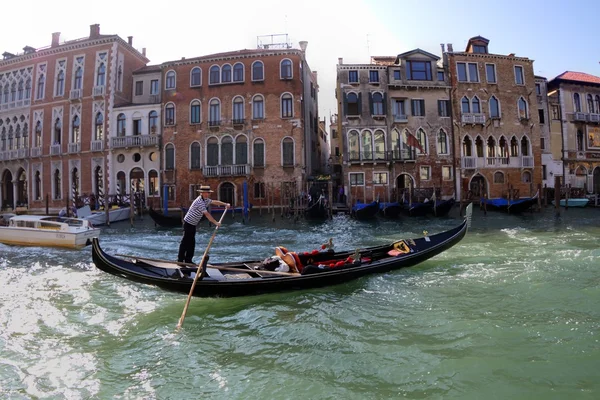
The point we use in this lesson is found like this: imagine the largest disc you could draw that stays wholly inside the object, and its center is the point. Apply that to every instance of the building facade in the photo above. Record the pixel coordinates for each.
(574, 100)
(55, 110)
(496, 122)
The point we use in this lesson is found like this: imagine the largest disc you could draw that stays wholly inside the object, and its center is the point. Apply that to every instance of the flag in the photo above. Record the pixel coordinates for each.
(413, 142)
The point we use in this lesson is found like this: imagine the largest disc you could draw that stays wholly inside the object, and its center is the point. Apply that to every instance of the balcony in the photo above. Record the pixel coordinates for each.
(400, 118)
(469, 162)
(226, 170)
(75, 95)
(134, 141)
(74, 148)
(399, 155)
(55, 150)
(23, 153)
(97, 145)
(214, 123)
(238, 121)
(36, 152)
(473, 119)
(154, 99)
(98, 91)
(594, 118)
(579, 117)
(527, 161)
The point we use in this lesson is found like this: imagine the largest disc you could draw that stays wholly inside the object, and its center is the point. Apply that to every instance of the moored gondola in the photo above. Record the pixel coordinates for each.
(250, 277)
(515, 206)
(442, 208)
(390, 209)
(165, 221)
(365, 211)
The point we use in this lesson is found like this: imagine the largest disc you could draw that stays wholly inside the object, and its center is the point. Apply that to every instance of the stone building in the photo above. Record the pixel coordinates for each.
(574, 100)
(496, 122)
(55, 114)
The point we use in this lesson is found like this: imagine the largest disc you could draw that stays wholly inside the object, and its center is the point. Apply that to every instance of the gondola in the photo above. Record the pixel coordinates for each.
(419, 209)
(317, 269)
(390, 209)
(165, 221)
(513, 206)
(441, 208)
(365, 211)
(317, 209)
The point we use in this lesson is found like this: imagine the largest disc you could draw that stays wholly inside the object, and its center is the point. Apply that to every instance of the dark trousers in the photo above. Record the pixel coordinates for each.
(188, 243)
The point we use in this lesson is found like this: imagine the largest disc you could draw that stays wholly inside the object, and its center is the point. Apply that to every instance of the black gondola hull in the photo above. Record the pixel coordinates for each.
(165, 221)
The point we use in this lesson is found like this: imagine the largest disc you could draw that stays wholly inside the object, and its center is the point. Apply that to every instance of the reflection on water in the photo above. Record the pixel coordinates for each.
(510, 312)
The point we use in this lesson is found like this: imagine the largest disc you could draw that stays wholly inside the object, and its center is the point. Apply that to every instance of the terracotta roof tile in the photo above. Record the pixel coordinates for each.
(579, 77)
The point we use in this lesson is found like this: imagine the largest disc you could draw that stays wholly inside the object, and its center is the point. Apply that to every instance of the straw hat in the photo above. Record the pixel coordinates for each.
(204, 189)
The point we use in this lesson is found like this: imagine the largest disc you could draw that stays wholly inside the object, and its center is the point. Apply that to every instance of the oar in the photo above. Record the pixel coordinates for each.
(199, 272)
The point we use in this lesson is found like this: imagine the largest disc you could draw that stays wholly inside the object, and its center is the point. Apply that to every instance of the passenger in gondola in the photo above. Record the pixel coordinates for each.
(197, 211)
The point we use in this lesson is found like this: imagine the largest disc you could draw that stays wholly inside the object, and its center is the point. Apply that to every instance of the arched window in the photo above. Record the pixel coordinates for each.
(258, 73)
(379, 145)
(215, 113)
(37, 188)
(465, 105)
(377, 104)
(226, 73)
(353, 145)
(526, 177)
(523, 109)
(170, 80)
(422, 138)
(153, 122)
(241, 150)
(195, 156)
(258, 107)
(479, 146)
(396, 144)
(169, 157)
(491, 147)
(101, 77)
(13, 90)
(215, 75)
(597, 104)
(258, 150)
(514, 147)
(442, 142)
(475, 105)
(467, 147)
(287, 152)
(60, 83)
(287, 106)
(367, 145)
(57, 187)
(286, 69)
(498, 177)
(212, 151)
(121, 125)
(195, 112)
(503, 147)
(576, 102)
(153, 187)
(196, 76)
(57, 131)
(28, 89)
(78, 78)
(579, 140)
(20, 91)
(40, 88)
(238, 72)
(238, 110)
(75, 138)
(494, 107)
(170, 114)
(227, 150)
(99, 127)
(352, 101)
(590, 104)
(38, 134)
(524, 146)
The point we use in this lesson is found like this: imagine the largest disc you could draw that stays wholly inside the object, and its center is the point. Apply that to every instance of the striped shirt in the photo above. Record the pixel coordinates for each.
(196, 211)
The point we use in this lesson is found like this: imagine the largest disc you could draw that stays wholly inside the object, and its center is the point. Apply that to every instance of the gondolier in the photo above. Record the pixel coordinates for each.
(198, 209)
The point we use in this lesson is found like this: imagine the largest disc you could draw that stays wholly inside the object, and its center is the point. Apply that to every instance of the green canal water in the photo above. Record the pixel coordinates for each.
(511, 312)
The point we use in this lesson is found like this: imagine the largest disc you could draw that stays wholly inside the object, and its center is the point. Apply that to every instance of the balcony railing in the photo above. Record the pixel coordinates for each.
(497, 162)
(473, 118)
(469, 162)
(23, 153)
(400, 118)
(134, 141)
(226, 170)
(36, 151)
(55, 149)
(75, 94)
(154, 98)
(594, 118)
(238, 121)
(382, 156)
(579, 117)
(214, 123)
(74, 148)
(97, 145)
(527, 161)
(98, 91)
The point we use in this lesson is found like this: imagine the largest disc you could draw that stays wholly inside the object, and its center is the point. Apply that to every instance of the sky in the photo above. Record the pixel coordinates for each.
(558, 35)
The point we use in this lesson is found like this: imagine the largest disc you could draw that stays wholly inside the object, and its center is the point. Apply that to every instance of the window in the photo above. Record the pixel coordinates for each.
(215, 75)
(121, 125)
(494, 107)
(422, 139)
(597, 101)
(154, 87)
(418, 70)
(57, 131)
(226, 73)
(380, 178)
(544, 172)
(579, 140)
(241, 150)
(75, 138)
(477, 48)
(491, 147)
(374, 76)
(441, 76)
(543, 144)
(57, 187)
(287, 152)
(399, 110)
(60, 84)
(467, 72)
(577, 102)
(78, 78)
(514, 147)
(195, 112)
(526, 177)
(352, 104)
(498, 177)
(444, 108)
(170, 114)
(38, 134)
(465, 105)
(153, 122)
(523, 111)
(195, 156)
(139, 88)
(212, 151)
(286, 69)
(287, 106)
(40, 88)
(442, 142)
(99, 127)
(215, 113)
(238, 110)
(525, 146)
(538, 89)
(170, 80)
(377, 104)
(446, 172)
(475, 105)
(226, 150)
(418, 107)
(259, 153)
(590, 103)
(101, 76)
(196, 76)
(258, 71)
(137, 126)
(259, 190)
(353, 145)
(169, 157)
(238, 72)
(519, 80)
(425, 172)
(542, 116)
(357, 179)
(555, 112)
(490, 73)
(353, 76)
(397, 74)
(258, 107)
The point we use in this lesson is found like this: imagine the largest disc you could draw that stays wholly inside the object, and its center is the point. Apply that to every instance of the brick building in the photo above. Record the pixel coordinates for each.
(55, 110)
(241, 116)
(496, 122)
(574, 99)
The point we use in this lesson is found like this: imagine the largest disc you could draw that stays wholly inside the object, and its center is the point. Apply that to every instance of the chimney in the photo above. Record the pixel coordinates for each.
(94, 31)
(303, 45)
(144, 52)
(443, 48)
(340, 61)
(450, 49)
(55, 39)
(130, 40)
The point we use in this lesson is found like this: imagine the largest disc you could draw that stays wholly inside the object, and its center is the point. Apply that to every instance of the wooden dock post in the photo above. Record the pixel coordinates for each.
(539, 202)
(484, 203)
(557, 196)
(567, 197)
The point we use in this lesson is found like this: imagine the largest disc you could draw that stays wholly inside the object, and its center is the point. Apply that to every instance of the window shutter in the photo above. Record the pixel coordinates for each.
(412, 107)
(360, 104)
(440, 108)
(345, 104)
(384, 103)
(371, 103)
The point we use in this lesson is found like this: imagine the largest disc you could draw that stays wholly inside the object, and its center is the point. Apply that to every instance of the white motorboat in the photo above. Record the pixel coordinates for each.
(44, 230)
(115, 214)
(577, 202)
